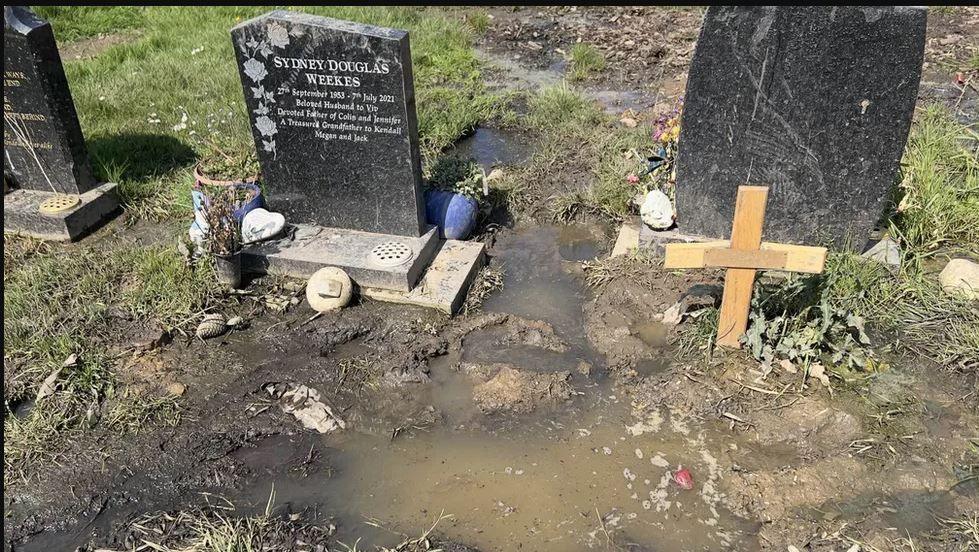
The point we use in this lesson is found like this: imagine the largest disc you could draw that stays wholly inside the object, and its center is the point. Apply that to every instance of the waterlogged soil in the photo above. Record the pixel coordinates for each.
(554, 418)
(541, 423)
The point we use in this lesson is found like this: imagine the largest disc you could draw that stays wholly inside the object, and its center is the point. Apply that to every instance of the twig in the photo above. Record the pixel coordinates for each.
(601, 522)
(730, 416)
(311, 318)
(758, 389)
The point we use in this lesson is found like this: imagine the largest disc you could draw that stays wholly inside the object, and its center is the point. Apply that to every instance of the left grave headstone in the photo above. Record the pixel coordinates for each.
(53, 193)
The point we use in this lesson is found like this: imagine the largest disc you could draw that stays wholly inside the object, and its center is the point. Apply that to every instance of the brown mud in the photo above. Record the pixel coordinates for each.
(553, 420)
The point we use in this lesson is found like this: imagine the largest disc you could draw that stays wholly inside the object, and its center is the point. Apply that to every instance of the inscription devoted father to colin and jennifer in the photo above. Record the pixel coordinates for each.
(333, 116)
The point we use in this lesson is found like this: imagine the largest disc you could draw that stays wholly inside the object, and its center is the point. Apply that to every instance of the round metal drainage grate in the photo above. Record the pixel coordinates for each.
(58, 203)
(391, 253)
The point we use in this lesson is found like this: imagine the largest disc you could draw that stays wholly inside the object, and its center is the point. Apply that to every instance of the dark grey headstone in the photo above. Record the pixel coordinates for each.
(333, 116)
(42, 140)
(815, 102)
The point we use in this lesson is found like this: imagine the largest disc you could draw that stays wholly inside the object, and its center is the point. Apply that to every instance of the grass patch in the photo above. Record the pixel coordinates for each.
(132, 97)
(478, 20)
(65, 301)
(585, 60)
(78, 22)
(938, 203)
(579, 165)
(908, 306)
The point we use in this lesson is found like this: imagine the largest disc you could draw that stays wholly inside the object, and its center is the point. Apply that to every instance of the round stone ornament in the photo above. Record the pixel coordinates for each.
(329, 288)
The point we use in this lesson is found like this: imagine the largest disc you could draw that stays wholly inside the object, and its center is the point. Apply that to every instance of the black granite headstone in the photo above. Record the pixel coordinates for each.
(42, 140)
(332, 105)
(815, 102)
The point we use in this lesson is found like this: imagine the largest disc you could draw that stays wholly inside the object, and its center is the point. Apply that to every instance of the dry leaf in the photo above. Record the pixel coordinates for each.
(787, 365)
(818, 371)
(47, 387)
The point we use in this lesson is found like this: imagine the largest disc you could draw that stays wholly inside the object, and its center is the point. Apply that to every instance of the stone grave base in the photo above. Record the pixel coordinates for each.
(448, 266)
(634, 235)
(21, 214)
(446, 282)
(371, 260)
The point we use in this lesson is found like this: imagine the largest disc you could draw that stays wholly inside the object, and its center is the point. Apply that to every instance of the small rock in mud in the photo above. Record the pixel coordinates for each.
(519, 331)
(176, 389)
(400, 377)
(810, 423)
(521, 391)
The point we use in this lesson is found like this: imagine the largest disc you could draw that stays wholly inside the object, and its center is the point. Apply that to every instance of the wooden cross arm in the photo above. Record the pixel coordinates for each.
(771, 256)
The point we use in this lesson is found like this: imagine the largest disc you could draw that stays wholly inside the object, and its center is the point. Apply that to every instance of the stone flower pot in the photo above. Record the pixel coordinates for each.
(228, 269)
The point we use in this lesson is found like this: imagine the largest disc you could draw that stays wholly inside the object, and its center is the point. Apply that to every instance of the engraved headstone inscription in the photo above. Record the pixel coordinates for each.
(332, 109)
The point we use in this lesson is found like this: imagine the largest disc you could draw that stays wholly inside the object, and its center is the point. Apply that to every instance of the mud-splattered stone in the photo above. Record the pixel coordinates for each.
(814, 102)
(332, 107)
(513, 390)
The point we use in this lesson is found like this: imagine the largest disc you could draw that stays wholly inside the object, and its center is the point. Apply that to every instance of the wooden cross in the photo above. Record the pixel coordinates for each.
(742, 256)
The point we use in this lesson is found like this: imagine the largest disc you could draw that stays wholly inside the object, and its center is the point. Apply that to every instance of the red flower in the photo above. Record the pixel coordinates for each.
(633, 179)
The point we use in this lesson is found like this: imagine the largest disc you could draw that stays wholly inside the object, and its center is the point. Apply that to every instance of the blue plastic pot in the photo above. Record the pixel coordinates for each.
(454, 214)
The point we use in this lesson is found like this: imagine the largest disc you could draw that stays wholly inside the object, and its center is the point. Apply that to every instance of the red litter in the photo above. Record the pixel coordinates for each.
(683, 478)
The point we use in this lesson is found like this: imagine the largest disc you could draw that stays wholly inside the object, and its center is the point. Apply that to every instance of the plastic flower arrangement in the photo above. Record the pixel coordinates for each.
(657, 170)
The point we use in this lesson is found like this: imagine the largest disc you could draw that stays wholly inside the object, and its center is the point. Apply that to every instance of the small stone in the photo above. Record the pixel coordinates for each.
(176, 389)
(629, 122)
(584, 368)
(657, 210)
(885, 251)
(960, 277)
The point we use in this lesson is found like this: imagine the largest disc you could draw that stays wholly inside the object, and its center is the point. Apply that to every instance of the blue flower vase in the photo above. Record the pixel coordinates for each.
(454, 214)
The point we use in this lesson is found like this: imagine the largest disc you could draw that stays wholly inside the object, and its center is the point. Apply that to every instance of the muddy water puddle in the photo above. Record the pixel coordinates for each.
(572, 477)
(537, 282)
(559, 483)
(492, 147)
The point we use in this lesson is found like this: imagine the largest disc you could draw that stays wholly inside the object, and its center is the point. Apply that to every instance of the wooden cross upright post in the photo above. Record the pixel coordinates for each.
(743, 255)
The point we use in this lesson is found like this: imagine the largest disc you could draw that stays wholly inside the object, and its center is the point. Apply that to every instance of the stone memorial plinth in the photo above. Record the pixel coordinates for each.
(49, 188)
(815, 102)
(332, 108)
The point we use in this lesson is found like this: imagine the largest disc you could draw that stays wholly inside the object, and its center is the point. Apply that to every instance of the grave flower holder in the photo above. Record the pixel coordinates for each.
(248, 187)
(453, 213)
(227, 269)
(223, 234)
